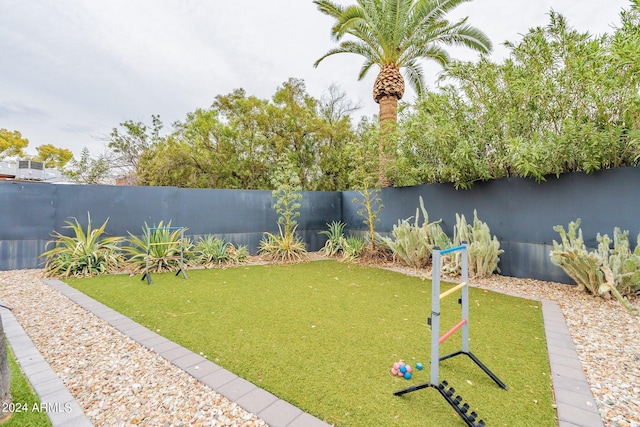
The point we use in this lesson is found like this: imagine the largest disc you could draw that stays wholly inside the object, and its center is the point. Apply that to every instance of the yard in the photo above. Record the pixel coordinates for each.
(324, 335)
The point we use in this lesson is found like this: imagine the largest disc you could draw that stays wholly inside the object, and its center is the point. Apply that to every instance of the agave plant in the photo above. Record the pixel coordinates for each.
(211, 251)
(237, 254)
(285, 247)
(334, 234)
(164, 247)
(86, 253)
(352, 247)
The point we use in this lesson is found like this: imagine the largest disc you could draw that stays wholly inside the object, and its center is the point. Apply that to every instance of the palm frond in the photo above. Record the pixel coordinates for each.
(400, 32)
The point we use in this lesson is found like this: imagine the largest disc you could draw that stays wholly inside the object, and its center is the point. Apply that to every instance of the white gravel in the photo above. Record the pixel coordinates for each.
(115, 380)
(119, 382)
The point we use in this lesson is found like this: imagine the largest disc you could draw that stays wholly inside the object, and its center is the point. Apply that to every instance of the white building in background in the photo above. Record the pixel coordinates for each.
(27, 170)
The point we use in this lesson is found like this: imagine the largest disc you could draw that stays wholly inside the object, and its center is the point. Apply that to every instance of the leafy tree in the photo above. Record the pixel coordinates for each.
(333, 160)
(246, 126)
(128, 143)
(561, 102)
(199, 153)
(395, 35)
(239, 140)
(12, 143)
(88, 170)
(295, 128)
(53, 157)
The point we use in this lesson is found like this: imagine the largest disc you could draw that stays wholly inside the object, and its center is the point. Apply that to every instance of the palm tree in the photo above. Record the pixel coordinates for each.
(395, 35)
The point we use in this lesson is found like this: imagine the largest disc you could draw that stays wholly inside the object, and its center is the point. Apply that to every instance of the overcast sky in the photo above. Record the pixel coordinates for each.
(71, 70)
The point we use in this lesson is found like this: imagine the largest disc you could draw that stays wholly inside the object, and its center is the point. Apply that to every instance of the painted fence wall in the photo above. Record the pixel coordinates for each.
(30, 212)
(520, 212)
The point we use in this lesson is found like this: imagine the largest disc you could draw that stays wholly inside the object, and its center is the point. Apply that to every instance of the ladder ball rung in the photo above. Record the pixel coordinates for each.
(451, 331)
(452, 290)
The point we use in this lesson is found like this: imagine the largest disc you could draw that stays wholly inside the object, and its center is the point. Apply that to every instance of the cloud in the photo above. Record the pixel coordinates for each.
(18, 110)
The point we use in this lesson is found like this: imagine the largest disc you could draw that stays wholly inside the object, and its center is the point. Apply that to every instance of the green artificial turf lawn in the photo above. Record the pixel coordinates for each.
(323, 336)
(26, 404)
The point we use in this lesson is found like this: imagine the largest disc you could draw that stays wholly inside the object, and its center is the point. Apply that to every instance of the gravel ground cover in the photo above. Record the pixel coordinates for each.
(119, 382)
(115, 380)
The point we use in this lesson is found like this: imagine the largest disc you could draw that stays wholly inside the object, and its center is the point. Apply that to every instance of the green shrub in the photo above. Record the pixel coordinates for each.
(334, 234)
(84, 254)
(604, 271)
(167, 246)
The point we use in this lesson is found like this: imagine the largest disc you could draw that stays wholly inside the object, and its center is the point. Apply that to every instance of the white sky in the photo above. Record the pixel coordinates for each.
(71, 70)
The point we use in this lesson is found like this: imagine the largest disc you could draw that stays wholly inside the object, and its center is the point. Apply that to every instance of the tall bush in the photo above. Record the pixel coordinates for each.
(563, 101)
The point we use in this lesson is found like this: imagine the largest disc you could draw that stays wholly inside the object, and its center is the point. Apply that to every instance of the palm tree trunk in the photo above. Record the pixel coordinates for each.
(388, 121)
(387, 90)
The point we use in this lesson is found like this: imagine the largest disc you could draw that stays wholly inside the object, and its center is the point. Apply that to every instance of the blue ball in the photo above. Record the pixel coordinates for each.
(407, 375)
(403, 369)
(419, 366)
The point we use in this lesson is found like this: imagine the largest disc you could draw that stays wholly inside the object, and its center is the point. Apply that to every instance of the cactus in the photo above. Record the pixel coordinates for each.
(604, 271)
(484, 250)
(413, 243)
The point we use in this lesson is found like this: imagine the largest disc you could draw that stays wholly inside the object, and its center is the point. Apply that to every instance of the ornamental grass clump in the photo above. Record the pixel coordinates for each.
(85, 253)
(604, 271)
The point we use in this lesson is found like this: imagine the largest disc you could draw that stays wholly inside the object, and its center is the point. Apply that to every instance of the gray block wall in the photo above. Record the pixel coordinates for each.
(30, 212)
(520, 212)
